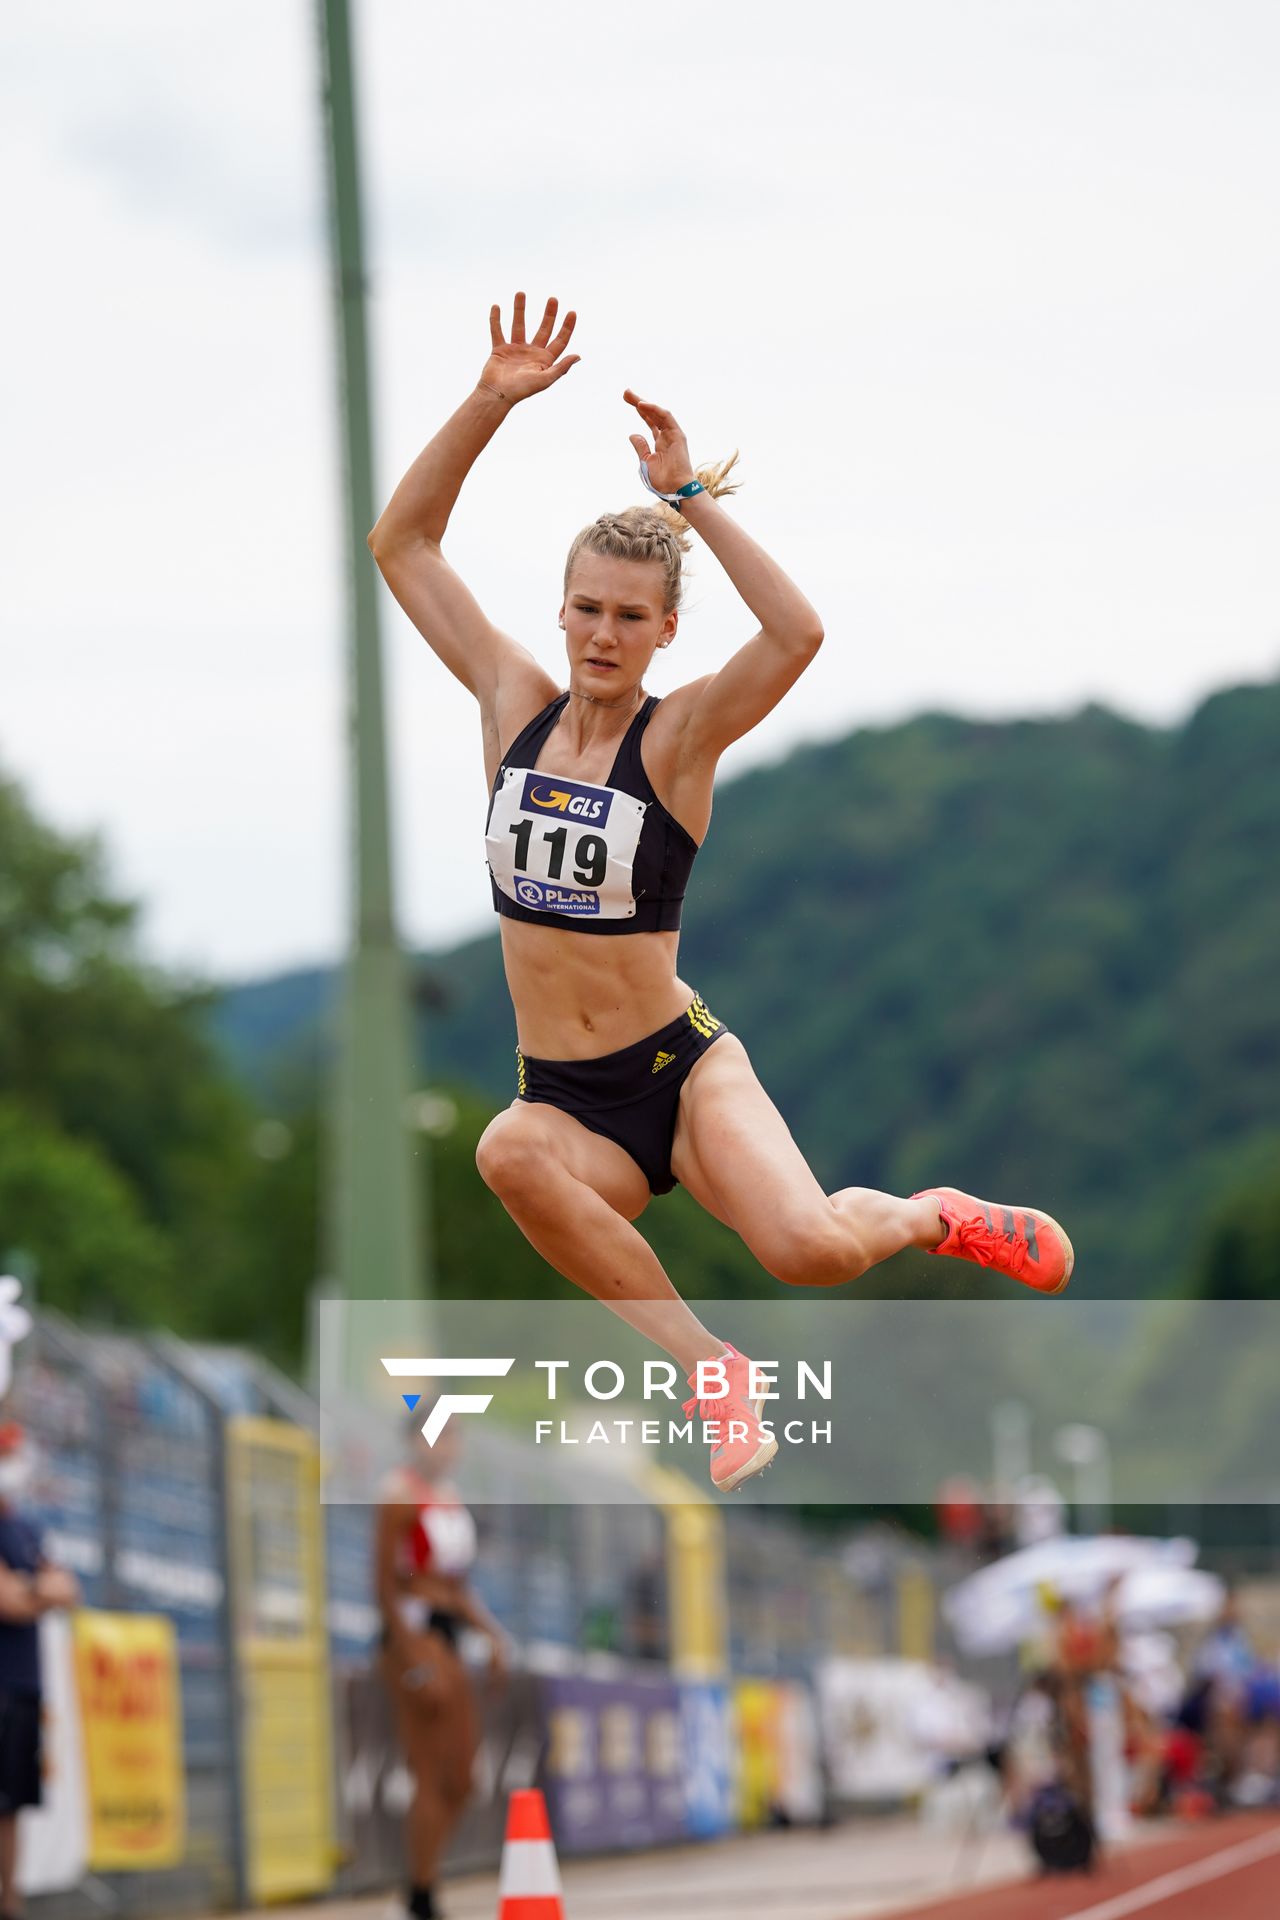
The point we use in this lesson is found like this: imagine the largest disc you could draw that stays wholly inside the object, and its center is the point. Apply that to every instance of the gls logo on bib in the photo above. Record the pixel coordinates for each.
(548, 793)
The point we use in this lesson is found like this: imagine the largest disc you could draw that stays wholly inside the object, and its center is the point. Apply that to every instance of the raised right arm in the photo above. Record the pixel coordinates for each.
(406, 545)
(406, 541)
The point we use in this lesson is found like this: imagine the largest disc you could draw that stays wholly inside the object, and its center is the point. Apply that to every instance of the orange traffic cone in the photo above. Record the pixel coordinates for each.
(529, 1884)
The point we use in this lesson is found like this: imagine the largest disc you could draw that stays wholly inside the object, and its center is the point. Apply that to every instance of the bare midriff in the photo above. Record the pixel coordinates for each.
(577, 995)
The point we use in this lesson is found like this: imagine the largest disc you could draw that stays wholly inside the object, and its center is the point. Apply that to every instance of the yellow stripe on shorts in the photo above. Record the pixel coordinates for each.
(701, 1019)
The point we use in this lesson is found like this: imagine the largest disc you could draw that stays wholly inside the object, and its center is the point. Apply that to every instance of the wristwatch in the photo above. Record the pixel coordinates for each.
(686, 492)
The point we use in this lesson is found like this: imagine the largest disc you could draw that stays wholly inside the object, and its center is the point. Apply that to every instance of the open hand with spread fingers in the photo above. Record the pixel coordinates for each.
(668, 460)
(518, 367)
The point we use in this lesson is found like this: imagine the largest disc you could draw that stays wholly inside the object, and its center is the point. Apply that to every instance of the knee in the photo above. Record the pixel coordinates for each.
(508, 1160)
(456, 1758)
(455, 1788)
(818, 1253)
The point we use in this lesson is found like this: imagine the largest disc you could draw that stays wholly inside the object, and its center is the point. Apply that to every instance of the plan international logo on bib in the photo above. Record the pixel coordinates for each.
(548, 793)
(537, 893)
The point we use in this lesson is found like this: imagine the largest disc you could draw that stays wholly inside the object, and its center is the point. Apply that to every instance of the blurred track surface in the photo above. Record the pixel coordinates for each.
(856, 1871)
(1227, 1870)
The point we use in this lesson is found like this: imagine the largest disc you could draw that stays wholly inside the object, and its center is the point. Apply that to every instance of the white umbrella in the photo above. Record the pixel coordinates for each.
(1169, 1596)
(1001, 1606)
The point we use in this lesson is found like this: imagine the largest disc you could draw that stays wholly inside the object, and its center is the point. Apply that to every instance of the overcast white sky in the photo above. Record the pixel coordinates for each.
(986, 291)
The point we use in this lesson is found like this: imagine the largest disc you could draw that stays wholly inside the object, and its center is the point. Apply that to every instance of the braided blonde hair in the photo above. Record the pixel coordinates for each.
(652, 532)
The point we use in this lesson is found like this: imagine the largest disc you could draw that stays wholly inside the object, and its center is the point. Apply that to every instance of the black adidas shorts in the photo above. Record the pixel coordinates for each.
(631, 1096)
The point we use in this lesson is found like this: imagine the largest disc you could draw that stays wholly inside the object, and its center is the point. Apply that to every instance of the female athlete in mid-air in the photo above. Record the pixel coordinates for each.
(600, 798)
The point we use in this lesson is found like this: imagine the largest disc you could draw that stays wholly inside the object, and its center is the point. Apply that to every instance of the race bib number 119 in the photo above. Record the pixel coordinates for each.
(560, 846)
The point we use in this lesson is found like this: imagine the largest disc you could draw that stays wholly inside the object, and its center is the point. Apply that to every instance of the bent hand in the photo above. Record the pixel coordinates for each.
(498, 1664)
(668, 460)
(518, 367)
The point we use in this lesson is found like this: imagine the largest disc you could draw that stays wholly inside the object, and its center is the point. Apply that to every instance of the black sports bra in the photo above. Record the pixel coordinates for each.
(564, 853)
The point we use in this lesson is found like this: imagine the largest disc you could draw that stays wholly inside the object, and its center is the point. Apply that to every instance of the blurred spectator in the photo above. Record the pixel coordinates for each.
(1030, 1756)
(646, 1615)
(997, 1536)
(424, 1550)
(1259, 1784)
(959, 1513)
(1222, 1673)
(1152, 1673)
(1151, 1689)
(29, 1586)
(1082, 1648)
(948, 1721)
(1226, 1655)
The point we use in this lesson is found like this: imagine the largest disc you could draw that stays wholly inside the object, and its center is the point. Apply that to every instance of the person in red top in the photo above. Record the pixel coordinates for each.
(425, 1546)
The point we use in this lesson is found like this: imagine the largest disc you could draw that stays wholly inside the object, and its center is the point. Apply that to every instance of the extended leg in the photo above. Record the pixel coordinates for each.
(735, 1154)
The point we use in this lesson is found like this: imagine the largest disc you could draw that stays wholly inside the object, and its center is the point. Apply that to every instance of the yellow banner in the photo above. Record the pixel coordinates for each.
(130, 1709)
(282, 1645)
(757, 1745)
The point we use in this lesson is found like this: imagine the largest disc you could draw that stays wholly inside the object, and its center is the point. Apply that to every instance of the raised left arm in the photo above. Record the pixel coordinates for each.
(725, 705)
(751, 682)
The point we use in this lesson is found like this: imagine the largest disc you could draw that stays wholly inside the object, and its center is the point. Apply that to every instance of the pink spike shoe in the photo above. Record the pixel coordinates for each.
(742, 1446)
(1026, 1244)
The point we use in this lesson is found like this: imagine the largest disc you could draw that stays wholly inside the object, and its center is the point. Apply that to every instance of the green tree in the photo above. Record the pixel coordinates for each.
(63, 1201)
(127, 1148)
(1239, 1257)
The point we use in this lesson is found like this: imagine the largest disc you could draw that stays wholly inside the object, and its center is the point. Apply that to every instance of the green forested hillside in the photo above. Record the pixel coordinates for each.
(1035, 959)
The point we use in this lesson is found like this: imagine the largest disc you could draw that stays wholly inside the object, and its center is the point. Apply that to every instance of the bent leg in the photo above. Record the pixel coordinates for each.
(735, 1154)
(573, 1194)
(456, 1749)
(418, 1721)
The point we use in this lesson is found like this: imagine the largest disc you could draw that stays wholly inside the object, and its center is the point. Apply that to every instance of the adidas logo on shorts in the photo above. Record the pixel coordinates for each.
(661, 1060)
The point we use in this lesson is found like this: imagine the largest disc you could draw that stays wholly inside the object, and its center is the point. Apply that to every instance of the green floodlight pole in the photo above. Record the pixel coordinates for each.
(377, 1246)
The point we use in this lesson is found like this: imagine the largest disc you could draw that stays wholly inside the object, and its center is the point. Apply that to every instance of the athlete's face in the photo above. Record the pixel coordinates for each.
(614, 622)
